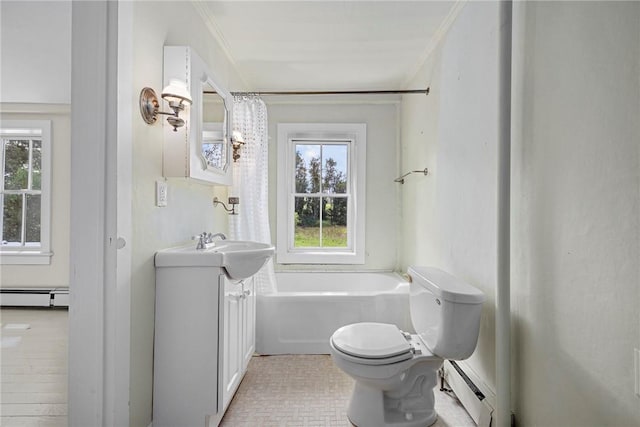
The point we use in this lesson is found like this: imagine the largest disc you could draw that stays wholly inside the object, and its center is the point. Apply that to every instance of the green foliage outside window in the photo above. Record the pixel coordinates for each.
(22, 186)
(311, 178)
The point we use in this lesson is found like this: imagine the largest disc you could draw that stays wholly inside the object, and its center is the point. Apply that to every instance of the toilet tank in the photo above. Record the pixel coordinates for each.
(445, 312)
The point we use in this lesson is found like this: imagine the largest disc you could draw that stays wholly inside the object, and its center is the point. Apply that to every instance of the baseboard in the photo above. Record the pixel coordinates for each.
(34, 297)
(476, 397)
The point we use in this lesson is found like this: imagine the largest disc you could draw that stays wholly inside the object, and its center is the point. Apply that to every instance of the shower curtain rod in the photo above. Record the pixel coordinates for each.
(329, 92)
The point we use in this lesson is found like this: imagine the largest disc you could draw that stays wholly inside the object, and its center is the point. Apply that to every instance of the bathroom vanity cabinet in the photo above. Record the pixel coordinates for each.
(239, 336)
(204, 338)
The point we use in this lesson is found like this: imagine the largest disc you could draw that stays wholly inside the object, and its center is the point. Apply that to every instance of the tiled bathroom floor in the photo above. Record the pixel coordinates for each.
(308, 390)
(291, 390)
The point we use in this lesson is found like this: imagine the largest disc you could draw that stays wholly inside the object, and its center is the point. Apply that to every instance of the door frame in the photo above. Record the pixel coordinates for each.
(100, 273)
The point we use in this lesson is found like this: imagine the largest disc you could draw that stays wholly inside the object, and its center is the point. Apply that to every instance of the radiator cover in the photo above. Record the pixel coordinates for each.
(34, 297)
(475, 396)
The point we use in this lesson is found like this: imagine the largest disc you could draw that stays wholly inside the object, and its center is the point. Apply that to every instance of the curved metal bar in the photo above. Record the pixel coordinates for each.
(401, 179)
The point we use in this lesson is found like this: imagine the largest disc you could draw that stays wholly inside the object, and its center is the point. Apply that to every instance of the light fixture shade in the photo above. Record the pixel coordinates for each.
(236, 136)
(176, 91)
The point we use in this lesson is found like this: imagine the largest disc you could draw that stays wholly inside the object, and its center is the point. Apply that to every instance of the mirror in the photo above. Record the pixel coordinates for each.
(214, 148)
(202, 148)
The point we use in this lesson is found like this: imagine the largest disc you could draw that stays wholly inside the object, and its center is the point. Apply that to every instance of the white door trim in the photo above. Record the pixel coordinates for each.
(99, 310)
(122, 349)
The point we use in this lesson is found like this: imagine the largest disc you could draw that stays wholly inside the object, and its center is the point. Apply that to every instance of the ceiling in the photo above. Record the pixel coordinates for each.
(327, 45)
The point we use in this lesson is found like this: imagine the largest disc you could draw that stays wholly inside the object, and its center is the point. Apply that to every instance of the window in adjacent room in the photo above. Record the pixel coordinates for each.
(25, 159)
(321, 193)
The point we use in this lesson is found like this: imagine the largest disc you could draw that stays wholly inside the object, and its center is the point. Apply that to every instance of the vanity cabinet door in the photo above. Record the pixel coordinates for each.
(238, 317)
(232, 368)
(249, 322)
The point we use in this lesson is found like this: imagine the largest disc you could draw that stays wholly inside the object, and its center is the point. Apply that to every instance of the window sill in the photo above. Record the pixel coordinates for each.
(25, 258)
(320, 258)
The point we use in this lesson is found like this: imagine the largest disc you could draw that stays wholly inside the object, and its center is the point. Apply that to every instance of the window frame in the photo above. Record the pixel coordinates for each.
(354, 135)
(29, 129)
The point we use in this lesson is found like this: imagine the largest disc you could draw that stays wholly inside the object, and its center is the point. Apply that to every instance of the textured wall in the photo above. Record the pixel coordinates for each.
(189, 210)
(576, 213)
(449, 217)
(575, 198)
(381, 192)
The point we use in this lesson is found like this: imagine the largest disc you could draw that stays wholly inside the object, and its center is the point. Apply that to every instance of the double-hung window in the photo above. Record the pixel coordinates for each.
(321, 174)
(25, 160)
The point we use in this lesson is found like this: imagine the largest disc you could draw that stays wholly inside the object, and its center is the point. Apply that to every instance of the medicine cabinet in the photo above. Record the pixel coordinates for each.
(201, 149)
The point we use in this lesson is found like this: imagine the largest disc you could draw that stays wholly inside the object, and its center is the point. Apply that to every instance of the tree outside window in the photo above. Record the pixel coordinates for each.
(21, 192)
(321, 195)
(321, 199)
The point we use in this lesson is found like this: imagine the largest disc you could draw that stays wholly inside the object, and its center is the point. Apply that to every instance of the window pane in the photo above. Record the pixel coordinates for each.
(33, 219)
(334, 222)
(214, 153)
(307, 222)
(334, 172)
(12, 220)
(308, 170)
(36, 166)
(16, 165)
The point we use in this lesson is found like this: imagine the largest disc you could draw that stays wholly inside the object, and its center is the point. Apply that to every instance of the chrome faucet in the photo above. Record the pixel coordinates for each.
(205, 239)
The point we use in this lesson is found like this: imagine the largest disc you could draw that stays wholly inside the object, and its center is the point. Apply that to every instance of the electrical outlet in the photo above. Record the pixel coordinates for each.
(161, 193)
(636, 363)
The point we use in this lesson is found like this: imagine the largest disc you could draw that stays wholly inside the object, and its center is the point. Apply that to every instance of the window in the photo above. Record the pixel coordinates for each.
(25, 159)
(321, 174)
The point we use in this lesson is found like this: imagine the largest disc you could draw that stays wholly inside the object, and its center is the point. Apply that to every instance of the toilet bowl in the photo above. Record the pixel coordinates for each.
(395, 372)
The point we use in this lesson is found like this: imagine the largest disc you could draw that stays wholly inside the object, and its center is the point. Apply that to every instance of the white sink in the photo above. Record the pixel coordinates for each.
(240, 259)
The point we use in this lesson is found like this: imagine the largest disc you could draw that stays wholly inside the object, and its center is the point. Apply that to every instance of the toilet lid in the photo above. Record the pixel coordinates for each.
(371, 340)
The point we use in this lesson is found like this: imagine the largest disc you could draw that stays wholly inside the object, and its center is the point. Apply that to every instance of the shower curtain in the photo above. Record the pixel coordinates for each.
(251, 183)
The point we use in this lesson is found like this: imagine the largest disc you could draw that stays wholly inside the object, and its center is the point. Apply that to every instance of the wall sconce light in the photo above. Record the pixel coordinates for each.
(176, 94)
(233, 201)
(237, 141)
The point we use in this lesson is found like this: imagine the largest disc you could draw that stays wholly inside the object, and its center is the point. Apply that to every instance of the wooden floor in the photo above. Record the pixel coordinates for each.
(33, 367)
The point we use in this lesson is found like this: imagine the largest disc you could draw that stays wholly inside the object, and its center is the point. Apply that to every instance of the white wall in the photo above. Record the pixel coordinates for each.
(35, 83)
(449, 217)
(576, 213)
(55, 274)
(35, 41)
(190, 210)
(575, 198)
(382, 121)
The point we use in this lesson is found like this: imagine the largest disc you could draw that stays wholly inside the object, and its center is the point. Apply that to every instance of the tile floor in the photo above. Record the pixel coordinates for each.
(308, 390)
(33, 368)
(298, 391)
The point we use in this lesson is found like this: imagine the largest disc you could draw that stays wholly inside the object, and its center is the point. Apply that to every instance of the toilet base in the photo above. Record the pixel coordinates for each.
(369, 407)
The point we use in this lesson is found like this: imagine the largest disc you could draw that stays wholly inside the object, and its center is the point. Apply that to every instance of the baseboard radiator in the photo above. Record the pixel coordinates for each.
(475, 396)
(34, 297)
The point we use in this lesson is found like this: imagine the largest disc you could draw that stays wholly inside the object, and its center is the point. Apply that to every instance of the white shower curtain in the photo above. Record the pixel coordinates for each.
(251, 182)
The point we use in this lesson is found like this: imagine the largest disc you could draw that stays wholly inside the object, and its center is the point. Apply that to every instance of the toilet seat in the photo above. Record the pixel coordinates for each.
(373, 343)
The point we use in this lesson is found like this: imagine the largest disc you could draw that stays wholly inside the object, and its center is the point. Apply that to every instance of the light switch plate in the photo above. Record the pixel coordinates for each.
(161, 193)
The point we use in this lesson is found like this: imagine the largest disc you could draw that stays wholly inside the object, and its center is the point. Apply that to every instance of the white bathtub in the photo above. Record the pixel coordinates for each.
(309, 306)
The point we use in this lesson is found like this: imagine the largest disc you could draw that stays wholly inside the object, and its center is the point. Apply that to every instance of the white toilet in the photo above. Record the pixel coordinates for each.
(395, 372)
